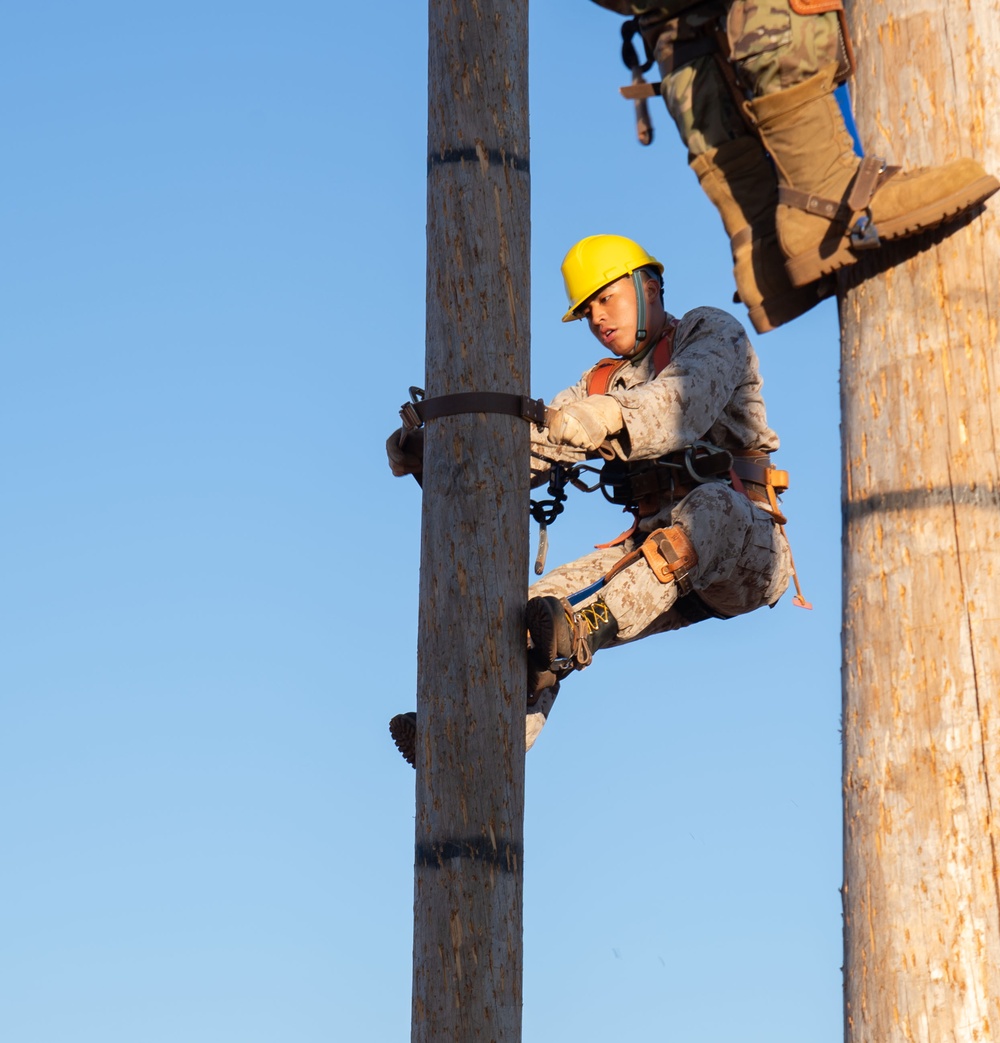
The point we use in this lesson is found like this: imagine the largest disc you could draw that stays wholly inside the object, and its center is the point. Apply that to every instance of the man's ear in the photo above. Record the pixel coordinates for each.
(652, 288)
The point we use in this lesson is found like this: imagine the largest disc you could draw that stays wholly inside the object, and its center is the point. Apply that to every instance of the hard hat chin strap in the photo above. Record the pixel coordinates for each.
(640, 309)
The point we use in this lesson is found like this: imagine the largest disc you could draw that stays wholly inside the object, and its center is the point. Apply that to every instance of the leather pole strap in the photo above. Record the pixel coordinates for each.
(416, 414)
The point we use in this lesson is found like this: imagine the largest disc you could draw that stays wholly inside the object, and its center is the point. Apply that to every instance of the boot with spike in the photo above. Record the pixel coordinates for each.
(832, 205)
(403, 727)
(563, 639)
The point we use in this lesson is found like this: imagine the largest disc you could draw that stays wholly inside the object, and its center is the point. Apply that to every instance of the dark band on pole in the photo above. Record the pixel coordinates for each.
(982, 496)
(503, 855)
(494, 157)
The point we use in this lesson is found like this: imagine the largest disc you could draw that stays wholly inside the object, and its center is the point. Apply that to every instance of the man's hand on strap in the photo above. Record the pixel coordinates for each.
(408, 458)
(586, 423)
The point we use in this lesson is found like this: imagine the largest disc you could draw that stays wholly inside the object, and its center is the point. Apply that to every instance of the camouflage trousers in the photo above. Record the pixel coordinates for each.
(743, 564)
(771, 48)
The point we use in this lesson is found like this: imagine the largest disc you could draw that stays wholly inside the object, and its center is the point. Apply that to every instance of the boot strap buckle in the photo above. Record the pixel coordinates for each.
(864, 234)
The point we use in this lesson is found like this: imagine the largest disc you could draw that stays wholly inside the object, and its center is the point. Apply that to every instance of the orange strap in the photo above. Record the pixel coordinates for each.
(664, 349)
(815, 6)
(799, 600)
(600, 376)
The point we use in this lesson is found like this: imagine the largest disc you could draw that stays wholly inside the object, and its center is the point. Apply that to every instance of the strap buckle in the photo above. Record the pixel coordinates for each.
(408, 411)
(706, 462)
(533, 410)
(864, 234)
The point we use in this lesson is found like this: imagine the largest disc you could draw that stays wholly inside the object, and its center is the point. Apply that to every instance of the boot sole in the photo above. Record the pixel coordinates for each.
(809, 266)
(780, 308)
(542, 630)
(403, 729)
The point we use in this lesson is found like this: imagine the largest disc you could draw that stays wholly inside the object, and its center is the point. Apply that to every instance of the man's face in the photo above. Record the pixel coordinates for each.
(611, 315)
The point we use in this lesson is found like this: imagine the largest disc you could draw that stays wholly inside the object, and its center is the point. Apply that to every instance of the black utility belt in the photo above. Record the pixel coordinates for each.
(673, 476)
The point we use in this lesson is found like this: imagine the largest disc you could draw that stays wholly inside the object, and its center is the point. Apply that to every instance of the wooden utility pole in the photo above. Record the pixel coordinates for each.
(471, 689)
(921, 433)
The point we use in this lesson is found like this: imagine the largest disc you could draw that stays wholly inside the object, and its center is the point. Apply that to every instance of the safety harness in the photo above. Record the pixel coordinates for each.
(641, 487)
(601, 374)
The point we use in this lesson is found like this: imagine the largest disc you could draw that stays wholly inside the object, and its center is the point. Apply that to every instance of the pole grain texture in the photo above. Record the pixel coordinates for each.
(468, 877)
(920, 387)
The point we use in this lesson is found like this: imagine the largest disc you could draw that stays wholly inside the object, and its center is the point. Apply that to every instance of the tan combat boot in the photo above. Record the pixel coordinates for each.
(740, 181)
(832, 204)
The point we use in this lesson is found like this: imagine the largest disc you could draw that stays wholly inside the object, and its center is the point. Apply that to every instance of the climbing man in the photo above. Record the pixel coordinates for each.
(750, 86)
(677, 415)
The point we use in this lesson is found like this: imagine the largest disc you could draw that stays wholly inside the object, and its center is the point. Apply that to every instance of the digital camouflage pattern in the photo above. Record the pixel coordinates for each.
(771, 48)
(710, 391)
(743, 564)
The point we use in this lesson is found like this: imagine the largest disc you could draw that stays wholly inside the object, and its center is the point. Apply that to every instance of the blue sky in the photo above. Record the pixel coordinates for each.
(213, 294)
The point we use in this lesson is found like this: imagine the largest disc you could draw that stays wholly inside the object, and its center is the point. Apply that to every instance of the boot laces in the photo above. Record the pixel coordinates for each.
(583, 623)
(594, 615)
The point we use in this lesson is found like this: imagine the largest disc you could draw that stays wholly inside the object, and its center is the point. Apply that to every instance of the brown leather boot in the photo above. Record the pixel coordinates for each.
(741, 182)
(832, 205)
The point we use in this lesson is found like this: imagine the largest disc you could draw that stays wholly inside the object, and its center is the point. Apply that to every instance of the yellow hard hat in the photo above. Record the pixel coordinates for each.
(598, 260)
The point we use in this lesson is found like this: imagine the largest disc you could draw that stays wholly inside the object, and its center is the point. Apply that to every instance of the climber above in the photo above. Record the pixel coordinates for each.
(677, 416)
(750, 87)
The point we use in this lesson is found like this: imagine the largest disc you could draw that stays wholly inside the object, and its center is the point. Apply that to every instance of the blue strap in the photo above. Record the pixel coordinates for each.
(843, 96)
(582, 595)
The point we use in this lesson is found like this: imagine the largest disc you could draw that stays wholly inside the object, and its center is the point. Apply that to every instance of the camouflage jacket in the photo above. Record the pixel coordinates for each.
(710, 391)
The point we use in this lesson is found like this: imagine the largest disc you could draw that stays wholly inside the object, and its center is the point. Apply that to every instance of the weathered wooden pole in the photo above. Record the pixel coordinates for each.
(467, 955)
(921, 425)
